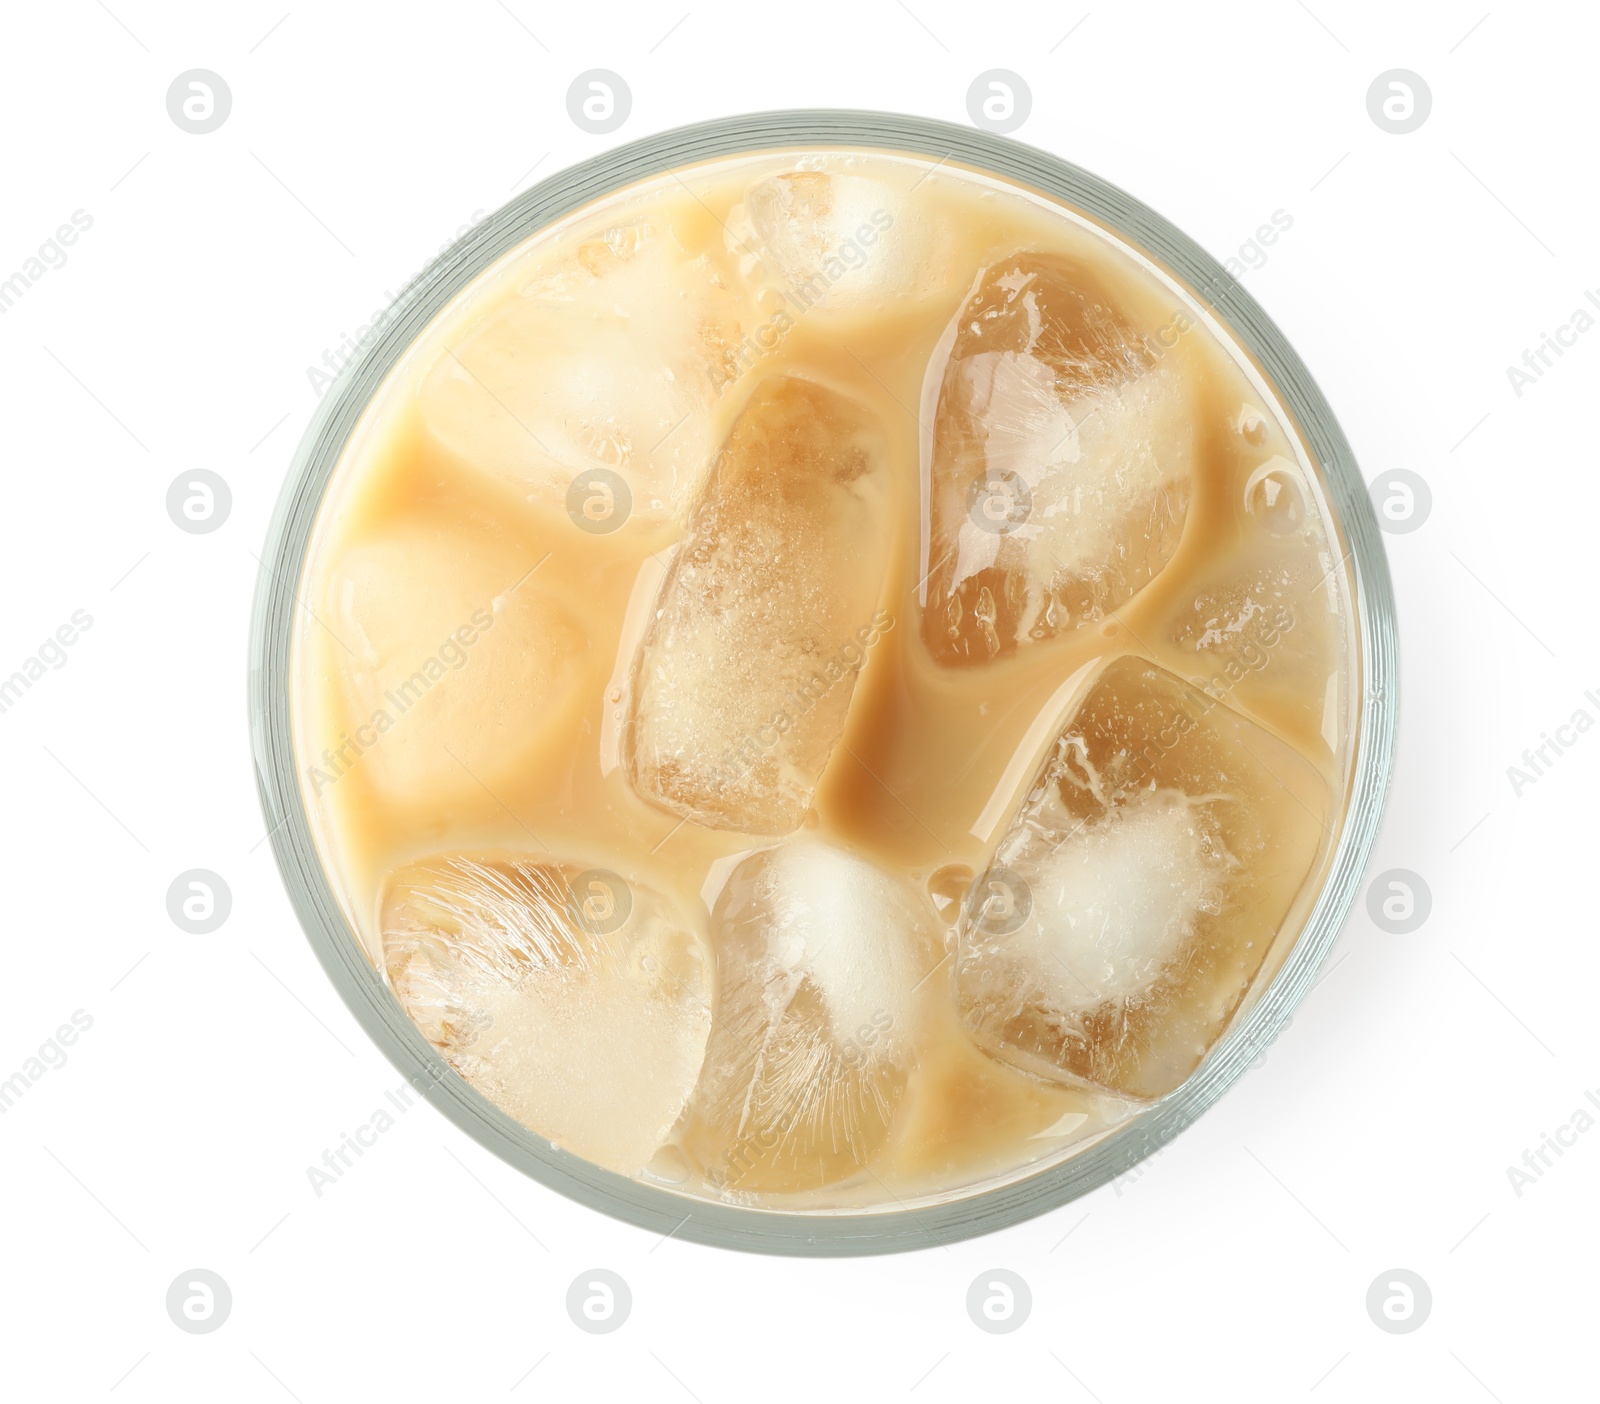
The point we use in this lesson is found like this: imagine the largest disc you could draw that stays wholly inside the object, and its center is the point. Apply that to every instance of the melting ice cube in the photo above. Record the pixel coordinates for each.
(1059, 476)
(575, 1001)
(1139, 888)
(820, 957)
(454, 661)
(613, 361)
(766, 615)
(831, 240)
(1264, 627)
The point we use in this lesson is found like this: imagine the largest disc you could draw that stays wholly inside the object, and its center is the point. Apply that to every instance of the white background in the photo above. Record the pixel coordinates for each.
(1378, 1132)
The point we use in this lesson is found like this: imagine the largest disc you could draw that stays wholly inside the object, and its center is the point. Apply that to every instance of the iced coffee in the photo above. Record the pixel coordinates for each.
(825, 681)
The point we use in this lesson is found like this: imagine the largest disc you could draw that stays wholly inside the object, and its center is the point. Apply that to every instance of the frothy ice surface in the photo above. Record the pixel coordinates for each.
(820, 956)
(1051, 400)
(745, 674)
(1159, 848)
(591, 1037)
(1129, 887)
(610, 360)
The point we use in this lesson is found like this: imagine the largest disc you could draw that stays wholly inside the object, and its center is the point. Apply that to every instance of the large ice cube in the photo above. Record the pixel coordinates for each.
(1062, 449)
(766, 615)
(1139, 887)
(832, 240)
(455, 661)
(612, 361)
(576, 1002)
(1264, 627)
(820, 957)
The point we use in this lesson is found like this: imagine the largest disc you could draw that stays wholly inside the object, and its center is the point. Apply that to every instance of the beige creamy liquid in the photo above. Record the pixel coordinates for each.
(472, 653)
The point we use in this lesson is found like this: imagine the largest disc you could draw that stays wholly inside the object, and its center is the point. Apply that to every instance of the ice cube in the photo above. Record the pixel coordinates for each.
(455, 662)
(575, 1001)
(822, 961)
(1139, 888)
(611, 361)
(1265, 628)
(1062, 449)
(766, 615)
(831, 240)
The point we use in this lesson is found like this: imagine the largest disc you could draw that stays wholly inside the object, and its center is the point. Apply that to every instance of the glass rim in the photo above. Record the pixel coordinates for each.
(662, 1210)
